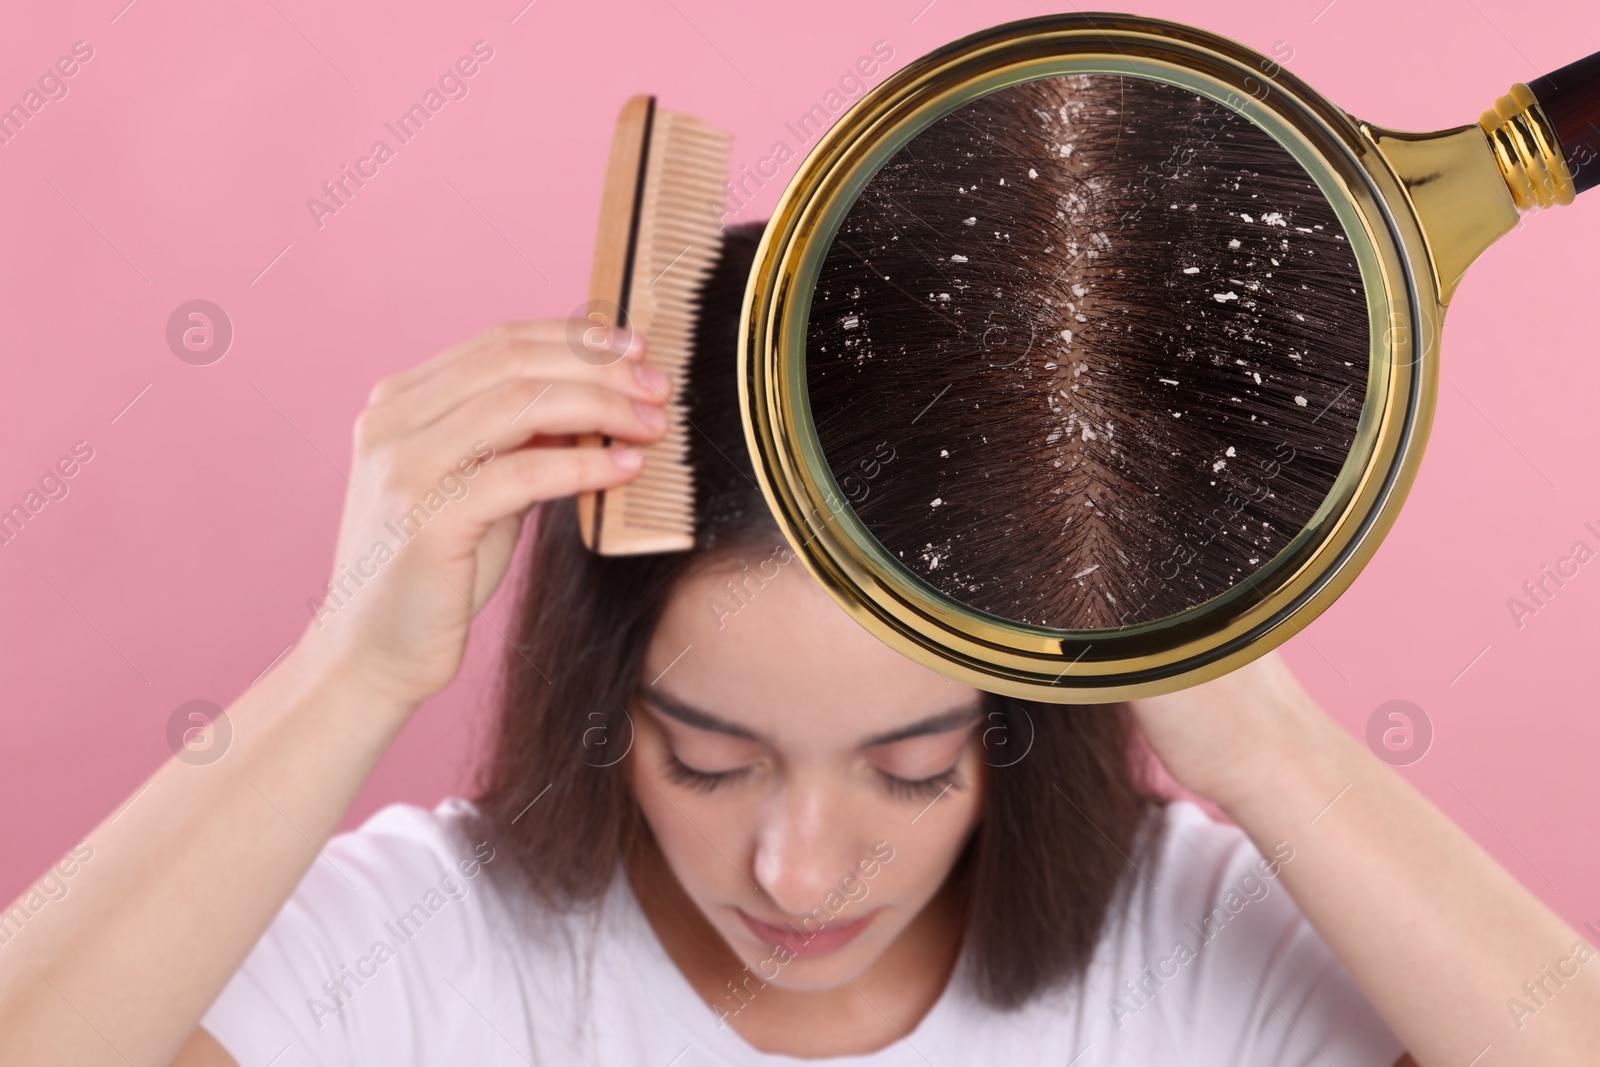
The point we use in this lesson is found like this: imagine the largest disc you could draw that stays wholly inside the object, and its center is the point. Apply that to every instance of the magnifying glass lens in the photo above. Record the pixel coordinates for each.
(1088, 351)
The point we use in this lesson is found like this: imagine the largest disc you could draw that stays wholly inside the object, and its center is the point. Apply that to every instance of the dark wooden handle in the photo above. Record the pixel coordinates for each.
(1571, 98)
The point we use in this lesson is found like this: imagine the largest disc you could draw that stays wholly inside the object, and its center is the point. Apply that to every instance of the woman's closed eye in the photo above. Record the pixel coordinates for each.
(700, 781)
(921, 788)
(903, 788)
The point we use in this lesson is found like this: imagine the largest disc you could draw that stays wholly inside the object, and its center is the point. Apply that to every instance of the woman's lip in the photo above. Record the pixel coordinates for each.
(802, 942)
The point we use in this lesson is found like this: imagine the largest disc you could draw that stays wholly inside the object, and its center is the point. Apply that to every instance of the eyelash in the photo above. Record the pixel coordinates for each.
(903, 788)
(921, 788)
(699, 781)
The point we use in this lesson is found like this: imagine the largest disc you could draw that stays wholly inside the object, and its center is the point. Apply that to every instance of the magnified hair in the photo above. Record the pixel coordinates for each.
(1088, 351)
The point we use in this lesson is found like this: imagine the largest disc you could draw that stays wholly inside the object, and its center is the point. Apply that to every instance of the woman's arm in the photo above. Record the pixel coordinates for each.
(1438, 936)
(188, 872)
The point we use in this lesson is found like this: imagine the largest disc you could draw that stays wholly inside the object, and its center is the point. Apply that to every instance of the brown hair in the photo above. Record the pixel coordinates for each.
(1061, 826)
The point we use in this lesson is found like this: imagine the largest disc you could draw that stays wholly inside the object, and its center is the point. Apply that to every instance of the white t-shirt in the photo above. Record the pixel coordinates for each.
(1212, 963)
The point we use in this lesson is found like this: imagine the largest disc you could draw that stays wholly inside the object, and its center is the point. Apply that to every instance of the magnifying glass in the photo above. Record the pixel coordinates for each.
(1092, 356)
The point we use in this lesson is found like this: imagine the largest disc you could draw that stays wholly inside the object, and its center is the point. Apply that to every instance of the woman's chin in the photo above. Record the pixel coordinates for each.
(816, 974)
(812, 971)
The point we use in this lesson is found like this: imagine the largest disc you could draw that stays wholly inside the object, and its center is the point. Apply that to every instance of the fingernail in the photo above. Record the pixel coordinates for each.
(650, 415)
(626, 341)
(655, 381)
(629, 459)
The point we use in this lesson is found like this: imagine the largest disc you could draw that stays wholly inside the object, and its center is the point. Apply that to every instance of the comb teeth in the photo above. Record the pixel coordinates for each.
(679, 237)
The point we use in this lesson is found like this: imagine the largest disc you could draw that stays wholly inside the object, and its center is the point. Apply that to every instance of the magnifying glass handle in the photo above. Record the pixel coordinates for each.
(1546, 135)
(1570, 98)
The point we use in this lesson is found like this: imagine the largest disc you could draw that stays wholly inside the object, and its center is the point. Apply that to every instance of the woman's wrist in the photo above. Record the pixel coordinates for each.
(1301, 759)
(312, 672)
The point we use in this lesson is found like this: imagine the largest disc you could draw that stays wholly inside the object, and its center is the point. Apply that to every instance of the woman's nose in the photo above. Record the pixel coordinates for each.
(801, 851)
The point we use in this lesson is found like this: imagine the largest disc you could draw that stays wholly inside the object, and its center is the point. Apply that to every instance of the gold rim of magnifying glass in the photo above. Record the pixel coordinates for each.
(1211, 638)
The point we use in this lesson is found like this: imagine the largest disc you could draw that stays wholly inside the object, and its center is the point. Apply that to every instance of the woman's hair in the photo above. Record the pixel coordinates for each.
(1061, 826)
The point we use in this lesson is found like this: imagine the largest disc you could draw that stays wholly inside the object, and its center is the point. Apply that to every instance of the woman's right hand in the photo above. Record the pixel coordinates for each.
(174, 887)
(448, 458)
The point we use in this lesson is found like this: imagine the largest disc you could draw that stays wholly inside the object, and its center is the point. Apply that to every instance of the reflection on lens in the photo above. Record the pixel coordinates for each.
(1115, 337)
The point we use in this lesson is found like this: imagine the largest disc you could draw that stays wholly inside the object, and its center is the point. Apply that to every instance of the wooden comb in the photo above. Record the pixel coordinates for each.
(659, 236)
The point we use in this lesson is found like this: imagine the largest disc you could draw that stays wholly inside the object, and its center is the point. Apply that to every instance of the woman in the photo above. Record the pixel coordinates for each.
(722, 824)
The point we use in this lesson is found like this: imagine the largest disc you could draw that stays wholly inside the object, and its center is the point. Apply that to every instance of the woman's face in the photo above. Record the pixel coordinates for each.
(809, 787)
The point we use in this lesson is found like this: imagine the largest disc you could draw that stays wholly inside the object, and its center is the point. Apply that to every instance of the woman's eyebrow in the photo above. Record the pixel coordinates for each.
(702, 720)
(944, 722)
(692, 716)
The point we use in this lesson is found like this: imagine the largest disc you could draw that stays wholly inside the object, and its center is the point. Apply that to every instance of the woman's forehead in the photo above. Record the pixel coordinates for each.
(765, 648)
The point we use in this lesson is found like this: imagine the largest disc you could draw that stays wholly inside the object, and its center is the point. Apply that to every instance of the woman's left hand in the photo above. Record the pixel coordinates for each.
(1384, 877)
(1227, 738)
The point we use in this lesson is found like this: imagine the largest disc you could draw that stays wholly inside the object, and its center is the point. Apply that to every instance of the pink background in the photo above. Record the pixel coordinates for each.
(179, 165)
